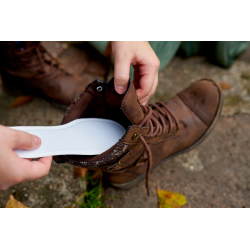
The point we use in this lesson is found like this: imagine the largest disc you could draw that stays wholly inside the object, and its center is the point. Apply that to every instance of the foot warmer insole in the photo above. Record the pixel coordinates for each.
(91, 136)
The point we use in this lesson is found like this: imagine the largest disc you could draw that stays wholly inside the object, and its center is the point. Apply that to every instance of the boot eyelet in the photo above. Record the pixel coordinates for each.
(99, 88)
(135, 136)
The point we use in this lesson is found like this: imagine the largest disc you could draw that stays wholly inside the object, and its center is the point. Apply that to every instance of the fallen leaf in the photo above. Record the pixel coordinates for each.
(80, 172)
(21, 100)
(225, 85)
(169, 199)
(13, 203)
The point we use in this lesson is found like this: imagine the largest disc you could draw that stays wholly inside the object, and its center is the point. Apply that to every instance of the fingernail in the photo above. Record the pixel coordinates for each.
(37, 140)
(120, 89)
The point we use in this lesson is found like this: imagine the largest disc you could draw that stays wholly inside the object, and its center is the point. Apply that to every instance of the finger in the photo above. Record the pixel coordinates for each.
(28, 159)
(146, 84)
(46, 160)
(144, 101)
(23, 140)
(146, 98)
(148, 73)
(35, 169)
(155, 85)
(144, 93)
(121, 73)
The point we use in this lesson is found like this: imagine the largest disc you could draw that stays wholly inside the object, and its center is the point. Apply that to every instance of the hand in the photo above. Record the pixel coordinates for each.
(145, 63)
(13, 169)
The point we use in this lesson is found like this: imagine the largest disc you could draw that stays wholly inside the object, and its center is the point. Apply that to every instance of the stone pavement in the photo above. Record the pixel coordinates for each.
(215, 174)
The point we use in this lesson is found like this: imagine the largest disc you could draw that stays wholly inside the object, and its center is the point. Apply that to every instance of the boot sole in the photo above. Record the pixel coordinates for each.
(131, 183)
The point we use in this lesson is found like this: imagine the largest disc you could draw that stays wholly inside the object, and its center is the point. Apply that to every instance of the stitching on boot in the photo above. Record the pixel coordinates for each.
(72, 104)
(123, 104)
(187, 104)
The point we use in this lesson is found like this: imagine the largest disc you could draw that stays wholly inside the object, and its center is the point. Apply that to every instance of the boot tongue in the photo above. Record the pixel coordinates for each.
(128, 102)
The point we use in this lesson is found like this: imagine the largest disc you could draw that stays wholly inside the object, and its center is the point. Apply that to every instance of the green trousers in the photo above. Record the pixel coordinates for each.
(219, 53)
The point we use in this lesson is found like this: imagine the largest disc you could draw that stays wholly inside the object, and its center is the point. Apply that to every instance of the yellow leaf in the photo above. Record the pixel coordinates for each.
(13, 203)
(225, 85)
(21, 100)
(169, 199)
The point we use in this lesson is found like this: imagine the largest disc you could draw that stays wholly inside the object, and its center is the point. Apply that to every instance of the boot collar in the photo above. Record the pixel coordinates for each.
(128, 101)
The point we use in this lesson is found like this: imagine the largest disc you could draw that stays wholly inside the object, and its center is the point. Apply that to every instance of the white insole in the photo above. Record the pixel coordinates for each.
(89, 136)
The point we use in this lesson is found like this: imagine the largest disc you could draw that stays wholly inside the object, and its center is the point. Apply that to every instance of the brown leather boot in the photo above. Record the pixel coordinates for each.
(28, 69)
(154, 132)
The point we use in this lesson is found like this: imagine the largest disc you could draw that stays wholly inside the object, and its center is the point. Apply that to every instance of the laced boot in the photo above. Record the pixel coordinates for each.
(29, 69)
(153, 133)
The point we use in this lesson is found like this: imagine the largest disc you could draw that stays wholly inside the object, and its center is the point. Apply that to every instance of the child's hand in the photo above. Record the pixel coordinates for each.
(13, 169)
(145, 63)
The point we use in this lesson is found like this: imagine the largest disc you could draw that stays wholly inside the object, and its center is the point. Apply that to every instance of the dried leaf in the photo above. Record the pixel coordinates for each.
(97, 175)
(169, 199)
(21, 100)
(80, 172)
(13, 203)
(225, 85)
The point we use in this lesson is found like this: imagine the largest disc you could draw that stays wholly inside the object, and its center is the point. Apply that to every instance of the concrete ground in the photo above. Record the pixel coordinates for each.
(215, 174)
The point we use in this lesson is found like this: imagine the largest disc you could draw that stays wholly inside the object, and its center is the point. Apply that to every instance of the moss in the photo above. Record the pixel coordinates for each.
(246, 86)
(235, 105)
(233, 100)
(246, 75)
(157, 97)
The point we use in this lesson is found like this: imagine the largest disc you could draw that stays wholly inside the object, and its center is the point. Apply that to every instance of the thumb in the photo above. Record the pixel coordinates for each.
(24, 140)
(121, 74)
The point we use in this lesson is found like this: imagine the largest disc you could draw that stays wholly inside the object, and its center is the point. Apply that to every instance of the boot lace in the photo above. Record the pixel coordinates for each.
(155, 115)
(34, 58)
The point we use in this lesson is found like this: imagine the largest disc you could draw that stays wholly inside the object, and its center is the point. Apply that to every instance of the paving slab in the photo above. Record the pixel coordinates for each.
(215, 174)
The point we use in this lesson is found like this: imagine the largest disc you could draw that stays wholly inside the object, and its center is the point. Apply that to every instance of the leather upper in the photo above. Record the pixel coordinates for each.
(194, 108)
(31, 70)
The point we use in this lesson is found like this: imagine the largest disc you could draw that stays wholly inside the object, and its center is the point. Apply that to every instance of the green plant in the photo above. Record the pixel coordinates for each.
(92, 195)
